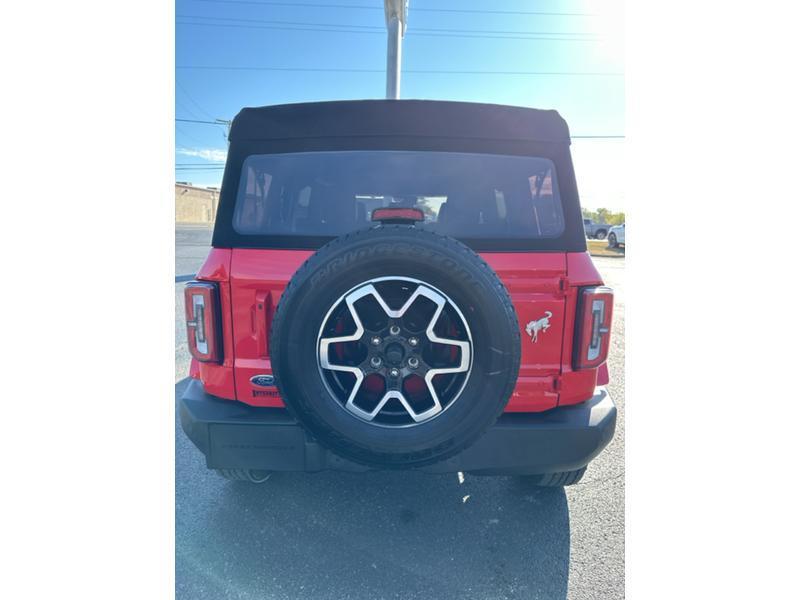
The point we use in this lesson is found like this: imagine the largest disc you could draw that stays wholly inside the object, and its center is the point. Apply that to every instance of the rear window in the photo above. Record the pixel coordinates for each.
(464, 195)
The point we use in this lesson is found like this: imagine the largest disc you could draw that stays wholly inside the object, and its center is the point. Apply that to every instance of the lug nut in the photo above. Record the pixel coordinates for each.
(413, 362)
(376, 341)
(394, 373)
(375, 361)
(413, 341)
(394, 330)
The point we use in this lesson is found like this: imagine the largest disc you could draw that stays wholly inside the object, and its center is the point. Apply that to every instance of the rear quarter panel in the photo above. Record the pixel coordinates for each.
(576, 386)
(218, 379)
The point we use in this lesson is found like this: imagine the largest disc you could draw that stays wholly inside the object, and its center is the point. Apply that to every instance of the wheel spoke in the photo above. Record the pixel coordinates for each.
(325, 344)
(368, 415)
(465, 356)
(427, 373)
(417, 417)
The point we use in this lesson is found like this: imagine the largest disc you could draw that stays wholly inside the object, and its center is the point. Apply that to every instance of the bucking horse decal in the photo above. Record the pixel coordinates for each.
(534, 327)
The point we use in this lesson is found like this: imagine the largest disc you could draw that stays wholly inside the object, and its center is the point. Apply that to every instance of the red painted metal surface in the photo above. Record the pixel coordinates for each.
(602, 375)
(258, 278)
(218, 378)
(541, 285)
(576, 386)
(535, 283)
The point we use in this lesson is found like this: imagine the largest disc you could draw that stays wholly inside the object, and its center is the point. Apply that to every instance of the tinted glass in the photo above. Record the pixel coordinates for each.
(462, 195)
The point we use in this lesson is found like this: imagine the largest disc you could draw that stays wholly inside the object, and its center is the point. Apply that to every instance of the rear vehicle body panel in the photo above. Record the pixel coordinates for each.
(252, 282)
(542, 275)
(258, 278)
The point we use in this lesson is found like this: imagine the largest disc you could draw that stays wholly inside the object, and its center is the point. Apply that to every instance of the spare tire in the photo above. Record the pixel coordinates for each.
(395, 346)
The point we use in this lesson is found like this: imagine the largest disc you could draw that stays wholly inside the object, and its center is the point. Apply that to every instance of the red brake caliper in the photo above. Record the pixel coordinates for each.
(339, 348)
(453, 333)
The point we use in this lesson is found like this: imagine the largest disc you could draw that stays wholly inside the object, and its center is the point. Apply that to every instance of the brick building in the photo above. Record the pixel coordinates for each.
(195, 204)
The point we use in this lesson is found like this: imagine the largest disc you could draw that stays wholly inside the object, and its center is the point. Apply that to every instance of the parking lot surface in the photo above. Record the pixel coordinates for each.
(397, 534)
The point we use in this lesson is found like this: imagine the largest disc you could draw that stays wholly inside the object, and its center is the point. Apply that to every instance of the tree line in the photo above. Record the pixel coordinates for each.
(603, 215)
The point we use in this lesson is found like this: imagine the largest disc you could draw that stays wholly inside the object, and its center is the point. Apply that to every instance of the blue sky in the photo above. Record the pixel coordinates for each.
(293, 35)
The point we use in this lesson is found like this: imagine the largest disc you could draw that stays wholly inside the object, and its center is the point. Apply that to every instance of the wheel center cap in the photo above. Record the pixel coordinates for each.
(394, 354)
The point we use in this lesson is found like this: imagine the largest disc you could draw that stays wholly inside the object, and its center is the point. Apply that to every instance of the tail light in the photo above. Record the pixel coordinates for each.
(203, 321)
(593, 330)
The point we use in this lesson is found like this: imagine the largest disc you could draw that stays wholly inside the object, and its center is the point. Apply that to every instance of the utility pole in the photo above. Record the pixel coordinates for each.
(227, 125)
(396, 16)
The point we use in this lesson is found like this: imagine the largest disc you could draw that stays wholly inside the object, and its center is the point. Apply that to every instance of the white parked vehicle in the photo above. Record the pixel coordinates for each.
(616, 236)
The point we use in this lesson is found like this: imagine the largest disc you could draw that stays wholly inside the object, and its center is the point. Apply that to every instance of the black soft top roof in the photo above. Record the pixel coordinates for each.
(416, 118)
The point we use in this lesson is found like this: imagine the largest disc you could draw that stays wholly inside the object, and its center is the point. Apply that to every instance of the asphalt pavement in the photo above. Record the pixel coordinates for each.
(397, 535)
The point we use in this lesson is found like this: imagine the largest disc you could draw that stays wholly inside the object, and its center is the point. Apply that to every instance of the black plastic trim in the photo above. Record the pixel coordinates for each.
(422, 118)
(235, 435)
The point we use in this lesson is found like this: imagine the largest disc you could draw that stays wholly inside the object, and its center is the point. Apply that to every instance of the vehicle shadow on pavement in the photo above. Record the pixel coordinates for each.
(366, 535)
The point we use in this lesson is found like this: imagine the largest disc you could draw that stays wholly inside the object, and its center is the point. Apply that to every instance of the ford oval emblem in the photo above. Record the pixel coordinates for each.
(263, 380)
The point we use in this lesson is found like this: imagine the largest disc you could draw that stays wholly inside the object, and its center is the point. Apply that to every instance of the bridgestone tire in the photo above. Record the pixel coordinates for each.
(395, 251)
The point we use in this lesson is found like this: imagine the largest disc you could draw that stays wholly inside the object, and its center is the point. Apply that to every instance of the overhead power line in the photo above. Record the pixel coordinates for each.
(196, 121)
(192, 100)
(416, 71)
(220, 122)
(186, 109)
(188, 136)
(531, 37)
(347, 28)
(199, 168)
(416, 9)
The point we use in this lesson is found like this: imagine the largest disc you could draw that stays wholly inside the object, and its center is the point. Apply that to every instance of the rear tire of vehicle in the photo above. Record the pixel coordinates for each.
(249, 475)
(396, 251)
(612, 240)
(601, 234)
(557, 479)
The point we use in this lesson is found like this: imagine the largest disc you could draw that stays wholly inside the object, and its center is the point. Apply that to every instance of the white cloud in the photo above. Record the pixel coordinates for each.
(210, 154)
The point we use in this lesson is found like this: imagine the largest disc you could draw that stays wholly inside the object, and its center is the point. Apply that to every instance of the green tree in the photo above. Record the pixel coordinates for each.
(616, 218)
(603, 215)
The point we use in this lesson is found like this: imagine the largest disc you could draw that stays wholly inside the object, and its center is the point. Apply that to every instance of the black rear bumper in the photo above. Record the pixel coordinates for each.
(233, 435)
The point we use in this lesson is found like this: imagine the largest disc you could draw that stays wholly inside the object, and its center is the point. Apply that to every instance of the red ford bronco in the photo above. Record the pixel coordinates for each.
(399, 284)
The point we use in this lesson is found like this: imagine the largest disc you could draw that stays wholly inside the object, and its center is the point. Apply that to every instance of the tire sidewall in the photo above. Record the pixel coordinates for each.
(401, 252)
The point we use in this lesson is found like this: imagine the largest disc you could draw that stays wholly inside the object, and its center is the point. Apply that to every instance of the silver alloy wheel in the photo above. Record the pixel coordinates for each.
(427, 327)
